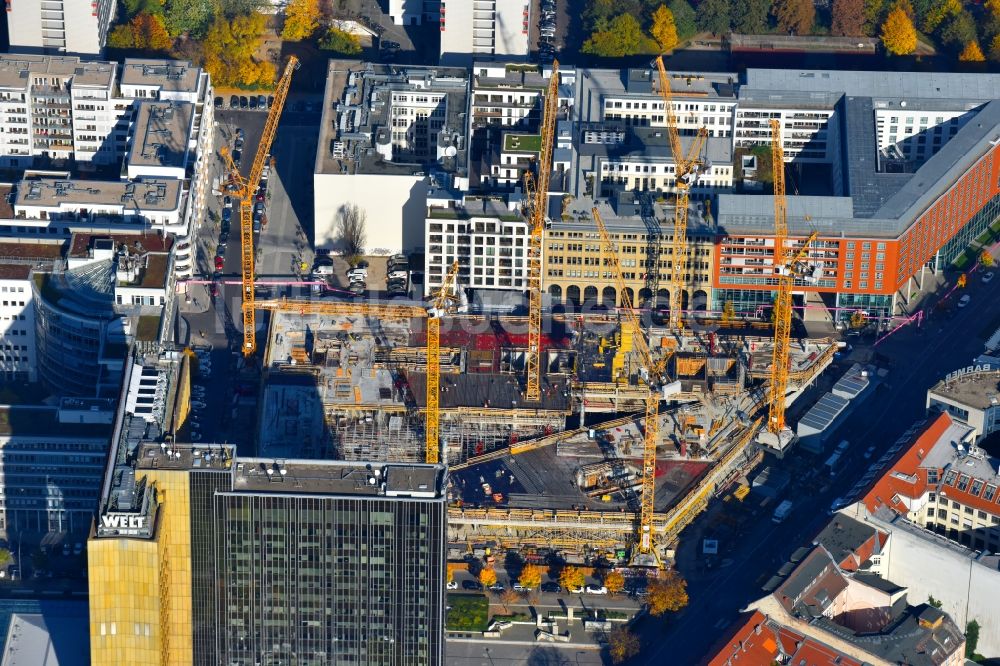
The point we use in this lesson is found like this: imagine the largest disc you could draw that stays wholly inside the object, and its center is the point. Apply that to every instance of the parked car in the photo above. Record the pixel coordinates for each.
(270, 101)
(987, 277)
(237, 157)
(596, 589)
(472, 585)
(357, 289)
(965, 300)
(359, 272)
(322, 265)
(238, 144)
(452, 585)
(244, 102)
(219, 263)
(521, 588)
(497, 587)
(234, 101)
(227, 201)
(253, 101)
(256, 225)
(218, 102)
(550, 587)
(223, 238)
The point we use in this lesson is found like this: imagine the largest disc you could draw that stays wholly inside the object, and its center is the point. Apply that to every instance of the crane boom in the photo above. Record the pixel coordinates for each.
(432, 431)
(652, 423)
(244, 192)
(686, 173)
(537, 222)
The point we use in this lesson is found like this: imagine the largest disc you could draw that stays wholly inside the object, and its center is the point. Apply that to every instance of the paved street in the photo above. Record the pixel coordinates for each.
(920, 357)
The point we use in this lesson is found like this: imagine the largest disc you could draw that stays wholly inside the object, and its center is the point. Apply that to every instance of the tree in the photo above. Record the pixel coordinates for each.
(572, 578)
(898, 34)
(121, 37)
(451, 574)
(234, 8)
(937, 13)
(750, 16)
(301, 19)
(133, 7)
(874, 13)
(931, 601)
(230, 49)
(858, 319)
(5, 558)
(971, 638)
(622, 36)
(713, 16)
(339, 41)
(488, 577)
(664, 30)
(848, 18)
(531, 577)
(728, 311)
(959, 30)
(351, 224)
(508, 598)
(667, 593)
(614, 581)
(986, 259)
(795, 16)
(685, 19)
(622, 644)
(187, 16)
(972, 53)
(995, 48)
(148, 32)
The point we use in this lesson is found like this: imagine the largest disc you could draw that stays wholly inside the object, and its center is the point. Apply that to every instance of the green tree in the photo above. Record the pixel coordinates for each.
(133, 7)
(121, 37)
(338, 41)
(898, 34)
(794, 16)
(874, 13)
(959, 30)
(622, 644)
(848, 18)
(187, 16)
(714, 16)
(685, 19)
(749, 17)
(664, 30)
(931, 601)
(301, 19)
(971, 638)
(937, 13)
(622, 36)
(5, 558)
(234, 8)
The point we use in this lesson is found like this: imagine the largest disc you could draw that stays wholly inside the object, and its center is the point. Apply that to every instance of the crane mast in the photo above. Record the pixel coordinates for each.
(432, 418)
(655, 369)
(785, 273)
(536, 223)
(244, 191)
(686, 172)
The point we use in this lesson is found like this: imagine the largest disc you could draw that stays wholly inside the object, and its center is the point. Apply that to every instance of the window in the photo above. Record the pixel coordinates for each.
(963, 483)
(949, 478)
(977, 487)
(932, 476)
(990, 492)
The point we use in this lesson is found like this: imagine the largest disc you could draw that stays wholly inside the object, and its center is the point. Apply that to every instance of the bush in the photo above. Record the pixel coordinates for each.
(338, 41)
(469, 612)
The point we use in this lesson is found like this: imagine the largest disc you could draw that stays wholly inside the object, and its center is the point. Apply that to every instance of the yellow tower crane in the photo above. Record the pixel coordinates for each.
(445, 296)
(786, 270)
(243, 190)
(537, 195)
(646, 555)
(686, 173)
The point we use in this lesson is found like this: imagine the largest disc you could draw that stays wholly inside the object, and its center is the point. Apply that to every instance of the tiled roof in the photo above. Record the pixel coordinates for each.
(756, 640)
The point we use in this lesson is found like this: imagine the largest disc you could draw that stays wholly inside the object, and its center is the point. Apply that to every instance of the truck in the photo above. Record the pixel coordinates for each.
(782, 510)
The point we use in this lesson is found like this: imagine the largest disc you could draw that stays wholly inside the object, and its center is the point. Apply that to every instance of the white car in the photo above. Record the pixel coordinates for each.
(596, 589)
(962, 302)
(578, 590)
(452, 585)
(987, 277)
(396, 275)
(521, 588)
(356, 273)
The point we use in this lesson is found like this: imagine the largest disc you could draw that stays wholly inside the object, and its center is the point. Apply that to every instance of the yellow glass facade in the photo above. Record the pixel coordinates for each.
(140, 590)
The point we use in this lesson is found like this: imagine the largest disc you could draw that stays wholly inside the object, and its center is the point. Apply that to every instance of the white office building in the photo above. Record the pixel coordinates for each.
(59, 26)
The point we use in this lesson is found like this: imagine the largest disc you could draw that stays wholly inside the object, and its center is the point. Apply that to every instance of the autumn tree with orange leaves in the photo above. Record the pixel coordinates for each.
(667, 593)
(898, 34)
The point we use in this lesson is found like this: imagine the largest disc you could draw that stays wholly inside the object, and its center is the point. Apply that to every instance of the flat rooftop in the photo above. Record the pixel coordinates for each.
(160, 134)
(82, 244)
(160, 194)
(333, 477)
(356, 108)
(38, 421)
(17, 69)
(169, 75)
(979, 390)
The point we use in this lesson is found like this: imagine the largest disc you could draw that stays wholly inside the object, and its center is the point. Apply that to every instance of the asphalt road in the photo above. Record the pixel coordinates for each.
(920, 358)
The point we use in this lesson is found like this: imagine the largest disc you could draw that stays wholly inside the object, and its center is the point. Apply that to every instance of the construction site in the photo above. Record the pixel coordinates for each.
(590, 435)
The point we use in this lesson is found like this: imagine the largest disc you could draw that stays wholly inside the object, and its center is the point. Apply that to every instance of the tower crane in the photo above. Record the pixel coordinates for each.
(446, 295)
(786, 270)
(537, 194)
(654, 376)
(686, 173)
(243, 190)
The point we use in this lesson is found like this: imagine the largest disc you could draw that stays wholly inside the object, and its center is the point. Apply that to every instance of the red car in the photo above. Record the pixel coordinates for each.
(219, 262)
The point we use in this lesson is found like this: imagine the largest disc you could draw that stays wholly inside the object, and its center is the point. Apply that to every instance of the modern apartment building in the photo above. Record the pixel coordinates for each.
(51, 462)
(484, 29)
(59, 26)
(488, 237)
(202, 557)
(388, 134)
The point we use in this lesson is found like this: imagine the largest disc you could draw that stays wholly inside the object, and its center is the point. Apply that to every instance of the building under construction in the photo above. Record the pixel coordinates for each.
(564, 472)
